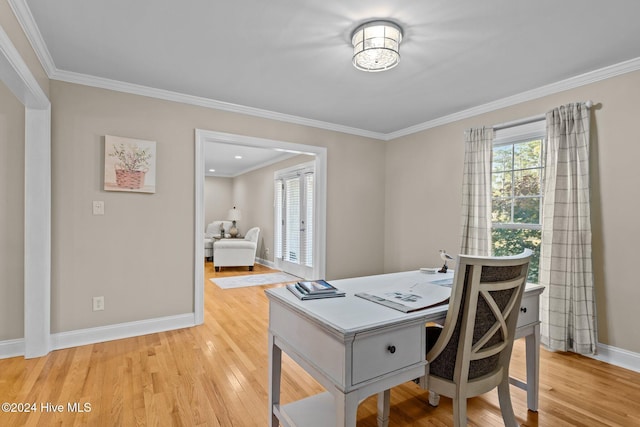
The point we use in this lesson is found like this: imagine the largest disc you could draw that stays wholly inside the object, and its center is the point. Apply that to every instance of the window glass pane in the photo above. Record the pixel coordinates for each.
(292, 215)
(526, 210)
(308, 179)
(278, 218)
(527, 154)
(502, 158)
(516, 200)
(501, 210)
(510, 242)
(526, 182)
(501, 184)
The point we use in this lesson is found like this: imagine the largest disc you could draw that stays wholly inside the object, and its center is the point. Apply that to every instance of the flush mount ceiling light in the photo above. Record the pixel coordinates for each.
(376, 46)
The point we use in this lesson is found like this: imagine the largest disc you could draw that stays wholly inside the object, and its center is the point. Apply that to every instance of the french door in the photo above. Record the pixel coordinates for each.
(294, 218)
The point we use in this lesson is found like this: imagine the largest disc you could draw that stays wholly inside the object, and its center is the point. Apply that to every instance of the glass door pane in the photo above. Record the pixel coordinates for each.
(294, 222)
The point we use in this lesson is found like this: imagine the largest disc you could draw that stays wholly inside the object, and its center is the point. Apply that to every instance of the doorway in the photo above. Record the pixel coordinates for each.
(319, 209)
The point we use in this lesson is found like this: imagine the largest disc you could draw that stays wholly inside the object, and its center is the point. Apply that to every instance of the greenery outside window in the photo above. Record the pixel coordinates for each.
(516, 193)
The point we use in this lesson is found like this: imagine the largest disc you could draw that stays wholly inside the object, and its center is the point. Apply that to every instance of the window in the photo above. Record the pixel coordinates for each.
(516, 193)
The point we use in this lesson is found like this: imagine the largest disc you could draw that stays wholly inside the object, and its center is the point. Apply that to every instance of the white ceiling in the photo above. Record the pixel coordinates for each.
(291, 59)
(223, 158)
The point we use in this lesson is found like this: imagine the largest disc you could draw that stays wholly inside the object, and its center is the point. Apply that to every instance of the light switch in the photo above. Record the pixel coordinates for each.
(98, 207)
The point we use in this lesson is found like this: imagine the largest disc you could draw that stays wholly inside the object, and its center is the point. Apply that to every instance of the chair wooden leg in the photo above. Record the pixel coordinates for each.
(504, 397)
(459, 412)
(434, 398)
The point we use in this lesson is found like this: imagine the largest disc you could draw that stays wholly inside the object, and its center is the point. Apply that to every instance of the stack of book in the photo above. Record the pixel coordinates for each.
(315, 289)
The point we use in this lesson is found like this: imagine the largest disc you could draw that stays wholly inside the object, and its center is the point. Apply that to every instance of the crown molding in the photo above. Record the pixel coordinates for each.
(25, 18)
(550, 89)
(29, 27)
(16, 75)
(119, 86)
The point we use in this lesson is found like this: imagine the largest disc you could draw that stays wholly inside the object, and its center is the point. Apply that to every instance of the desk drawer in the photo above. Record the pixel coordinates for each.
(529, 308)
(386, 351)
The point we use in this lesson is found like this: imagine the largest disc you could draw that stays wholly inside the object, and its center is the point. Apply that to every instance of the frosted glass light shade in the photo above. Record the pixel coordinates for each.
(376, 46)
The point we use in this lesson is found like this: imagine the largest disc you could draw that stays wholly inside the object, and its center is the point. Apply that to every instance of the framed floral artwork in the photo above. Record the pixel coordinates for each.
(129, 164)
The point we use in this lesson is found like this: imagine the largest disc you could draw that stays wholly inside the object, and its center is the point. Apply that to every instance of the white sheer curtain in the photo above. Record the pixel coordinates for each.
(476, 192)
(568, 305)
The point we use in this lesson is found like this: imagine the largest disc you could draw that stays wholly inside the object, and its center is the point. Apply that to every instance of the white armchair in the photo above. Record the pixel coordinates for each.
(212, 230)
(236, 252)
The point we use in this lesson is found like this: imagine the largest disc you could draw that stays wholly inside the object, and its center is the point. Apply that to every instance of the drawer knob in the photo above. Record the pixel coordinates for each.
(523, 309)
(392, 349)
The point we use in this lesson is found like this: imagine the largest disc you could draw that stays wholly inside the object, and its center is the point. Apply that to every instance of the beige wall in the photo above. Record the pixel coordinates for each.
(424, 176)
(139, 255)
(218, 197)
(11, 216)
(390, 206)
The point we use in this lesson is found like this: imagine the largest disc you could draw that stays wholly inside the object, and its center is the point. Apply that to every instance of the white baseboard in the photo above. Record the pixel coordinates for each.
(266, 263)
(11, 348)
(122, 330)
(618, 357)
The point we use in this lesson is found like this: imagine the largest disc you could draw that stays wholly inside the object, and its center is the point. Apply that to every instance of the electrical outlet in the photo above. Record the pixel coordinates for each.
(266, 251)
(98, 303)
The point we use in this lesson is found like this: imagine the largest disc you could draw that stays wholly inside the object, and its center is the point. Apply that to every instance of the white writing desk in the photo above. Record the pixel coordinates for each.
(356, 348)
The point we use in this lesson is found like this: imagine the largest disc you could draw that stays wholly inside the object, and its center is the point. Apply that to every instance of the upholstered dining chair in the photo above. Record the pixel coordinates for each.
(471, 354)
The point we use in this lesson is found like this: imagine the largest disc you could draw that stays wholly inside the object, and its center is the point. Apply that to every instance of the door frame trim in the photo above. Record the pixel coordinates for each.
(17, 76)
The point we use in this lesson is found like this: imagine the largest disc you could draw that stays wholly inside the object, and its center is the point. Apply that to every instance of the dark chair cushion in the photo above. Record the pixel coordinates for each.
(443, 366)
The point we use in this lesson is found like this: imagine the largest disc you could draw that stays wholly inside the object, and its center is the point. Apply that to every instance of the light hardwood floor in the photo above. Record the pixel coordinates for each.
(216, 375)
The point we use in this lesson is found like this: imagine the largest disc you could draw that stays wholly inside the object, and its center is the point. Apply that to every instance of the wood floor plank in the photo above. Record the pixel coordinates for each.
(216, 375)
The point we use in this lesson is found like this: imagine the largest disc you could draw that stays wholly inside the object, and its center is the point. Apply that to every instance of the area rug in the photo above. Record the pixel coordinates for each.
(253, 280)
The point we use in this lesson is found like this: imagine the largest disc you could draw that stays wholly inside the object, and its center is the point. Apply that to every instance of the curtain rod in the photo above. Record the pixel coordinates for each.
(528, 120)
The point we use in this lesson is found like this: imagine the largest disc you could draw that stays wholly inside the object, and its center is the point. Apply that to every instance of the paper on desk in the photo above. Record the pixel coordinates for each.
(407, 299)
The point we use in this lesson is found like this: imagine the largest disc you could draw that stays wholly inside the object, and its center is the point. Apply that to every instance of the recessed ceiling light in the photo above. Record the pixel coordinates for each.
(212, 170)
(238, 157)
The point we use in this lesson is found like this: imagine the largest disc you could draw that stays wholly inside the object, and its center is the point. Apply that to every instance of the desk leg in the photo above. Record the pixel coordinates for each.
(384, 402)
(275, 368)
(346, 409)
(532, 342)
